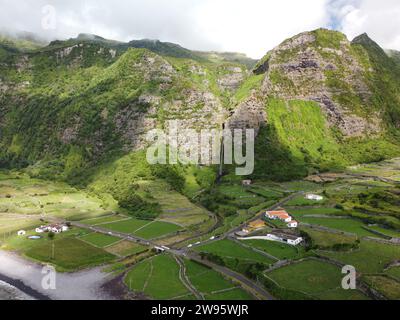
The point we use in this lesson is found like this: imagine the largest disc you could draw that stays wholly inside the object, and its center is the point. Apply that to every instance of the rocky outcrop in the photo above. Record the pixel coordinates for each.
(231, 79)
(305, 68)
(251, 113)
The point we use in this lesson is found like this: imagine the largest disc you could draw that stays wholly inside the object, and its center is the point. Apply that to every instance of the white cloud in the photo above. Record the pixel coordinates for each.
(380, 19)
(250, 26)
(256, 26)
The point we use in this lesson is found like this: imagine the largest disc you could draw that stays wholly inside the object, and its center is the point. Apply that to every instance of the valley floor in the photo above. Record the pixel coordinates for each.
(111, 255)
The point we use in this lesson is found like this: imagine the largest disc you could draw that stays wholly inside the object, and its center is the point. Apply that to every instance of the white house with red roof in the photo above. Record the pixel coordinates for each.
(282, 215)
(279, 215)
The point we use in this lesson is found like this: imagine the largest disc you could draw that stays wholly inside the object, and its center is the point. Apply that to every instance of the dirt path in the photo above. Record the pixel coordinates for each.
(185, 280)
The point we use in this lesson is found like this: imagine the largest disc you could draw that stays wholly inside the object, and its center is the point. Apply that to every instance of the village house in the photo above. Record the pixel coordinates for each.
(279, 215)
(55, 228)
(314, 197)
(21, 233)
(285, 238)
(246, 182)
(293, 224)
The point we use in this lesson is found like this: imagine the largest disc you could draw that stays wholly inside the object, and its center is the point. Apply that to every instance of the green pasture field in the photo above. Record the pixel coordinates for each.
(126, 248)
(231, 250)
(325, 239)
(299, 212)
(279, 250)
(157, 229)
(390, 288)
(70, 254)
(100, 240)
(394, 272)
(302, 201)
(143, 228)
(157, 278)
(342, 224)
(388, 232)
(372, 257)
(103, 220)
(126, 226)
(212, 284)
(316, 279)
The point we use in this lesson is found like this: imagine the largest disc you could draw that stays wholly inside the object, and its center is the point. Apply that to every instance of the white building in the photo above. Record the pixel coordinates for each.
(41, 229)
(285, 238)
(279, 215)
(314, 197)
(21, 232)
(293, 224)
(52, 228)
(246, 182)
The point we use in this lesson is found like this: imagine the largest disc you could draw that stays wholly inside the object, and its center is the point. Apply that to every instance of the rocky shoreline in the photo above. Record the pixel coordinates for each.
(11, 289)
(21, 279)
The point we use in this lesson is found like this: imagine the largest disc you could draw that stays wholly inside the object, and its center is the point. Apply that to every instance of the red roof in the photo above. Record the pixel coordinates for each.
(281, 214)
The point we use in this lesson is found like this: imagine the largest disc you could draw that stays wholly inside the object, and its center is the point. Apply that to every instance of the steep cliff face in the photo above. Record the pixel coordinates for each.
(89, 97)
(317, 101)
(322, 66)
(320, 102)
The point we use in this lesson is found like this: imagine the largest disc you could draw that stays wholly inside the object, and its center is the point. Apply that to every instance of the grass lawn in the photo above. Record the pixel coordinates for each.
(372, 257)
(235, 191)
(126, 248)
(157, 229)
(279, 250)
(266, 192)
(299, 212)
(346, 225)
(388, 232)
(232, 294)
(212, 284)
(317, 279)
(394, 272)
(103, 220)
(302, 201)
(158, 278)
(100, 240)
(126, 226)
(388, 287)
(69, 254)
(323, 239)
(143, 228)
(22, 244)
(232, 250)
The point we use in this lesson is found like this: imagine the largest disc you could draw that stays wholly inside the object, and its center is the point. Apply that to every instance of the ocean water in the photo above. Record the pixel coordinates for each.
(8, 292)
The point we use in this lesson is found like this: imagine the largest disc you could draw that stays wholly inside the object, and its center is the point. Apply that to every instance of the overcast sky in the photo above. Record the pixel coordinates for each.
(249, 26)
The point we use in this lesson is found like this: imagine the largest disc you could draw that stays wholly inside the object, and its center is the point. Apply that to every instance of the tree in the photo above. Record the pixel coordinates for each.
(51, 235)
